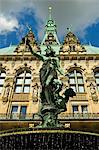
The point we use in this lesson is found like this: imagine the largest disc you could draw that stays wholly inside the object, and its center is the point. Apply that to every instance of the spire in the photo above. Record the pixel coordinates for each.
(50, 25)
(50, 36)
(50, 12)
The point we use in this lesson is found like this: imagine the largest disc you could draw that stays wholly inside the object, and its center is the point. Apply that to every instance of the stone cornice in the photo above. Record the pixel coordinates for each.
(79, 57)
(62, 57)
(17, 57)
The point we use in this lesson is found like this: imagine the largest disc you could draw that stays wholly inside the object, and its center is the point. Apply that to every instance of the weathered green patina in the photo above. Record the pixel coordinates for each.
(52, 102)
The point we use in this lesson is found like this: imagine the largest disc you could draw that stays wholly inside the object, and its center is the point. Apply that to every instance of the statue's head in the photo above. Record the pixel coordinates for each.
(50, 51)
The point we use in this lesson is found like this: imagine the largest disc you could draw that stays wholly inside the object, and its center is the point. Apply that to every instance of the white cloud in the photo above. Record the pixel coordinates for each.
(78, 13)
(7, 24)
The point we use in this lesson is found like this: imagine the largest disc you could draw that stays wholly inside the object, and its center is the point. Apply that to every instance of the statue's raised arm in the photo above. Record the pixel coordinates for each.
(39, 56)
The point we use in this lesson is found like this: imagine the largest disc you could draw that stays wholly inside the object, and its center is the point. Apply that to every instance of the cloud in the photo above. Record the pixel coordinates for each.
(7, 24)
(78, 13)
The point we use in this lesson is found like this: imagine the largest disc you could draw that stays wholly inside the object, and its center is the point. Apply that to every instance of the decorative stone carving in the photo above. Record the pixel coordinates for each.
(35, 92)
(9, 80)
(6, 93)
(50, 39)
(93, 92)
(37, 64)
(71, 44)
(23, 46)
(13, 64)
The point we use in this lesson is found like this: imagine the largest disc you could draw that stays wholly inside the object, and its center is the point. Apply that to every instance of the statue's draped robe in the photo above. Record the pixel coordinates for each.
(48, 72)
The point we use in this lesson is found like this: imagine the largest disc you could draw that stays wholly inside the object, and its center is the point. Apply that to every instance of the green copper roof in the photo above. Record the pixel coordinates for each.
(8, 50)
(91, 49)
(50, 25)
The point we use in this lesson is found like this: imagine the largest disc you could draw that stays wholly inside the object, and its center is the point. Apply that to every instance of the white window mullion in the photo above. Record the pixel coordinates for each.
(75, 73)
(23, 81)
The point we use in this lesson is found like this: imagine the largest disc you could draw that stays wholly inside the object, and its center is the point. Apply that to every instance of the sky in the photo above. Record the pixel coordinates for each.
(82, 16)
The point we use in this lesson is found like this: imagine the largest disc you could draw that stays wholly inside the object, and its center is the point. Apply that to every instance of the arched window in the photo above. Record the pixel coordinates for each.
(2, 78)
(23, 81)
(76, 81)
(97, 79)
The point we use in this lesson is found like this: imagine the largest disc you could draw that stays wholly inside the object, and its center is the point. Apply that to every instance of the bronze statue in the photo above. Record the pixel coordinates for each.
(52, 102)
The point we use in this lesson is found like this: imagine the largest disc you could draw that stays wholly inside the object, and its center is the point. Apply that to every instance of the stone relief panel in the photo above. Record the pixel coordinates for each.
(8, 88)
(93, 92)
(90, 80)
(36, 92)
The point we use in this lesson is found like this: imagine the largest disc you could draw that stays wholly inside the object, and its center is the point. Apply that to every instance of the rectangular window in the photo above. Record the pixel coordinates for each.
(1, 81)
(23, 112)
(19, 81)
(18, 89)
(26, 89)
(23, 109)
(14, 109)
(80, 81)
(3, 74)
(81, 88)
(27, 81)
(97, 80)
(75, 109)
(84, 109)
(72, 81)
(14, 113)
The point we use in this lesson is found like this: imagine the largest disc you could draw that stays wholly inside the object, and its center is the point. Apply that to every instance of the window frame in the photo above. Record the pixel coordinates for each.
(23, 84)
(73, 75)
(82, 109)
(18, 114)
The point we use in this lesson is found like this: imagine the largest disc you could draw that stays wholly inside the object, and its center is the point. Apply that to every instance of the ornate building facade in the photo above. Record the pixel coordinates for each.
(20, 83)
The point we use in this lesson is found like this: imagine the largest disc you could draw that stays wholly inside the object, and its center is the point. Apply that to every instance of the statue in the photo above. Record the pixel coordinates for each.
(52, 102)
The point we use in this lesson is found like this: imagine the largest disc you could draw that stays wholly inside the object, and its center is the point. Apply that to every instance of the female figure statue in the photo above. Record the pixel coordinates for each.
(52, 102)
(48, 73)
